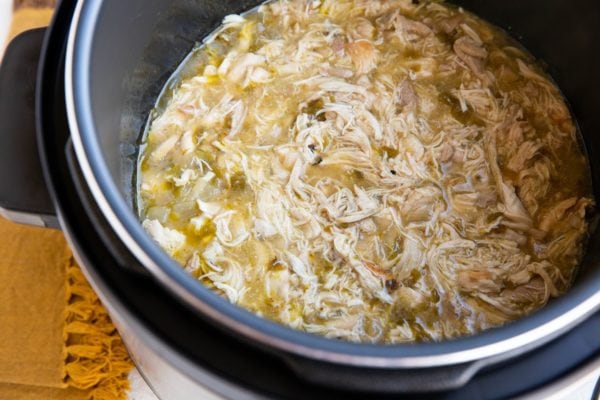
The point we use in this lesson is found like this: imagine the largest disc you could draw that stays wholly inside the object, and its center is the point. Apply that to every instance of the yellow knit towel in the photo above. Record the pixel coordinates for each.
(96, 357)
(56, 338)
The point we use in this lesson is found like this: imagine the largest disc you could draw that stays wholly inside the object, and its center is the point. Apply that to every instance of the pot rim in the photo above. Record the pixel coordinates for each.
(511, 339)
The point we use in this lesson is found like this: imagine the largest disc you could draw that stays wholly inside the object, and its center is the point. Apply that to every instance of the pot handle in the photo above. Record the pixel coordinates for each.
(24, 197)
(407, 381)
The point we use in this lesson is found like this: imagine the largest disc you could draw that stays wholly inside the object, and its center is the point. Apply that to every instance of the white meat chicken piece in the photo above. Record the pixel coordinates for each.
(363, 55)
(170, 240)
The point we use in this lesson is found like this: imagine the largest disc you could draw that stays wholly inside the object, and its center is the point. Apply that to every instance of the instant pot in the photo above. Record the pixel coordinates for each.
(99, 69)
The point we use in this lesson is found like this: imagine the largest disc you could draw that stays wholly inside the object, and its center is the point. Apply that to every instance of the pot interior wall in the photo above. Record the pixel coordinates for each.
(139, 43)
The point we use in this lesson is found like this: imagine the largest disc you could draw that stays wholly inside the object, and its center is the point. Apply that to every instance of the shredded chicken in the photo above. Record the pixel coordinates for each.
(363, 55)
(369, 170)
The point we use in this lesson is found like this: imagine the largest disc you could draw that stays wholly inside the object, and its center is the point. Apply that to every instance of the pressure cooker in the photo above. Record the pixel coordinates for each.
(68, 151)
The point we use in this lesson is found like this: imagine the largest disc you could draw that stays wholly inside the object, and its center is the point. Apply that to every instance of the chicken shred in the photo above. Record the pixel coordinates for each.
(368, 170)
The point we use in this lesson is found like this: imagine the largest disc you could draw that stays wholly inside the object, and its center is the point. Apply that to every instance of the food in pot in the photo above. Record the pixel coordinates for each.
(378, 171)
